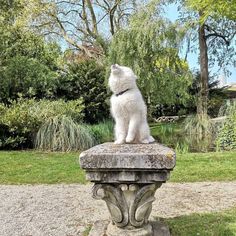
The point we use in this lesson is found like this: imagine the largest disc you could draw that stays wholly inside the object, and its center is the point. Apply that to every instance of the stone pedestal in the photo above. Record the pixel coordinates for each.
(126, 177)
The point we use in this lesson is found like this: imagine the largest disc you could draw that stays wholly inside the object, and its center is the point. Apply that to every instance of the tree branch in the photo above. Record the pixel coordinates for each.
(219, 36)
(216, 34)
(68, 2)
(68, 12)
(112, 13)
(94, 19)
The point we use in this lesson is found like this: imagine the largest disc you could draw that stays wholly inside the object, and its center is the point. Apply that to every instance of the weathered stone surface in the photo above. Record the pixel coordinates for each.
(126, 177)
(129, 204)
(146, 230)
(128, 156)
(151, 176)
(100, 229)
(160, 229)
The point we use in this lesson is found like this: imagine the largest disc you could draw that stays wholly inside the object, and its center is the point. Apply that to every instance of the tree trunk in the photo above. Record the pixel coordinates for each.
(203, 95)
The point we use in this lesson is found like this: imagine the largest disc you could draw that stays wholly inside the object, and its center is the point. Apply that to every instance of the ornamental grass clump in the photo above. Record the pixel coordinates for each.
(61, 133)
(21, 119)
(200, 133)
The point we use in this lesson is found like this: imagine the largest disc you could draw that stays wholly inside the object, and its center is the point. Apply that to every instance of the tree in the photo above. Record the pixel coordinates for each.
(216, 97)
(86, 80)
(217, 9)
(150, 46)
(84, 24)
(216, 26)
(28, 65)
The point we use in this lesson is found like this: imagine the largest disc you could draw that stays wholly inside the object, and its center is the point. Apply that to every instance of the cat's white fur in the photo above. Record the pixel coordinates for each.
(128, 109)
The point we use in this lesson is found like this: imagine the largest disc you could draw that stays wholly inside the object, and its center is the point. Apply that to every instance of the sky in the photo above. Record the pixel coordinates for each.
(172, 14)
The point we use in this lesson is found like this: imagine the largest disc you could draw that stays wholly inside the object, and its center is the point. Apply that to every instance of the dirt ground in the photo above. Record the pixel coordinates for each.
(66, 210)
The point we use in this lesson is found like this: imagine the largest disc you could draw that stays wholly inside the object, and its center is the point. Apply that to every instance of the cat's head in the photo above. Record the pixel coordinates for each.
(121, 78)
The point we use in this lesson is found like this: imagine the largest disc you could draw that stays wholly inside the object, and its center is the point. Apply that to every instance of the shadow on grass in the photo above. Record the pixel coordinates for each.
(210, 224)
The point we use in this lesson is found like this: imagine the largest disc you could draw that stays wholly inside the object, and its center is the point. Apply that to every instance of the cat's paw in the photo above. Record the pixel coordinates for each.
(129, 139)
(145, 141)
(119, 142)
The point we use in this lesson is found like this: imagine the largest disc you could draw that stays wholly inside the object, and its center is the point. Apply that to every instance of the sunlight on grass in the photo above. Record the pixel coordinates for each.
(214, 166)
(37, 167)
(210, 224)
(31, 167)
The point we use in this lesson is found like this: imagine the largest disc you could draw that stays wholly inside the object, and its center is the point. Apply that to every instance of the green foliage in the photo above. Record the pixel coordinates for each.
(169, 134)
(216, 99)
(86, 80)
(150, 46)
(61, 133)
(28, 65)
(20, 120)
(218, 20)
(27, 77)
(227, 109)
(102, 132)
(199, 132)
(45, 109)
(219, 8)
(216, 96)
(226, 139)
(182, 148)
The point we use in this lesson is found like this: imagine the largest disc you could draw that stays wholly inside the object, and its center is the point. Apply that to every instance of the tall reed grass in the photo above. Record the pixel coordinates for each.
(199, 131)
(61, 133)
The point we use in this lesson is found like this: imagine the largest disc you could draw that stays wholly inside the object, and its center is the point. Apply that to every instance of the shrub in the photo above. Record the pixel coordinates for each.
(61, 133)
(29, 64)
(226, 139)
(86, 80)
(45, 109)
(21, 120)
(28, 77)
(102, 132)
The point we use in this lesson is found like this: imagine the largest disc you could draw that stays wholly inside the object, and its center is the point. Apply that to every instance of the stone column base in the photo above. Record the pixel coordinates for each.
(112, 230)
(105, 228)
(126, 177)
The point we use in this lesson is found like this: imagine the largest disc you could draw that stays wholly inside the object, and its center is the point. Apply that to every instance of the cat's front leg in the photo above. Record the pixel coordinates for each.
(120, 130)
(133, 128)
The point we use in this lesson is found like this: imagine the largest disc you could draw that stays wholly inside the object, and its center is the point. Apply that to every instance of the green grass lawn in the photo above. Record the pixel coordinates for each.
(31, 167)
(211, 166)
(209, 224)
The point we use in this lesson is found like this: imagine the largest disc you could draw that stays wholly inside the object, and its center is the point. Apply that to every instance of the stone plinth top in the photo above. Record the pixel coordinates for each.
(107, 156)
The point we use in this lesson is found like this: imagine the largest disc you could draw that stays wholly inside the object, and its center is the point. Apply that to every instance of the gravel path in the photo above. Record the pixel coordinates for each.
(66, 210)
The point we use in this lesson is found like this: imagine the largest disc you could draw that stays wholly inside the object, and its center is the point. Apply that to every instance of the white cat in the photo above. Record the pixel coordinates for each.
(128, 107)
